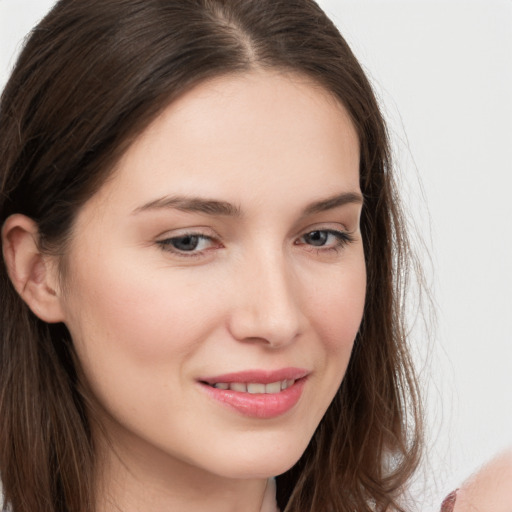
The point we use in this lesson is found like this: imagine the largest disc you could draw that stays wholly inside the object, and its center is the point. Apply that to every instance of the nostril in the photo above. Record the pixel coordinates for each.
(267, 310)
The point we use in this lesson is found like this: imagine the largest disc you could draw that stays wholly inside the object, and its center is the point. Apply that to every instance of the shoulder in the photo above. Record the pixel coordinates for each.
(489, 489)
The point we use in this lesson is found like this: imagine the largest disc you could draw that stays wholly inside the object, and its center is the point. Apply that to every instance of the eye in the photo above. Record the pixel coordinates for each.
(317, 238)
(326, 239)
(188, 244)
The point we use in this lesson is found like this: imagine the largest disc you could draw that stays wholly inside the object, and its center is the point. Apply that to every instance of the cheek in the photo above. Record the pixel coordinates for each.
(339, 305)
(336, 312)
(133, 314)
(134, 333)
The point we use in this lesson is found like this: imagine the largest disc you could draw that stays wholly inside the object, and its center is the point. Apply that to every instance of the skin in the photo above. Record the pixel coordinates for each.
(257, 292)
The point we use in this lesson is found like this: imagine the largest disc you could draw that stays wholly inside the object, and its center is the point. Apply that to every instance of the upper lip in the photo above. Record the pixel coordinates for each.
(259, 376)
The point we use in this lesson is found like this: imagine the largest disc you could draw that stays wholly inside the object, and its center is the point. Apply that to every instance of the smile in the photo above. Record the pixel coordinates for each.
(256, 387)
(257, 394)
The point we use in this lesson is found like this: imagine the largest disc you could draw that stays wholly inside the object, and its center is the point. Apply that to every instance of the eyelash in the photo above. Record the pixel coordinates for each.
(167, 245)
(343, 238)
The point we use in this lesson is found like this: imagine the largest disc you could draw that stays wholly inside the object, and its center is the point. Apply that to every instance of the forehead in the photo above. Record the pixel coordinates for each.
(264, 131)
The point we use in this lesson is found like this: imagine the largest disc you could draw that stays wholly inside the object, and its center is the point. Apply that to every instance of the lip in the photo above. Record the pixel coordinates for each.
(258, 405)
(262, 376)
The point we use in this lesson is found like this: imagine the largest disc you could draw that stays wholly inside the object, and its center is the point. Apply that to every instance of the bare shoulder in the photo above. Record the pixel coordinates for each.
(489, 489)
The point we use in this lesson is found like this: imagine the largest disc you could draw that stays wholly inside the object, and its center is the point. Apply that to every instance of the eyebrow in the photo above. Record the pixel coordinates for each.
(192, 204)
(224, 208)
(333, 202)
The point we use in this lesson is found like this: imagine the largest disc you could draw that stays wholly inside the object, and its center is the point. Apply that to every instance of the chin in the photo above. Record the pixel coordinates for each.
(261, 460)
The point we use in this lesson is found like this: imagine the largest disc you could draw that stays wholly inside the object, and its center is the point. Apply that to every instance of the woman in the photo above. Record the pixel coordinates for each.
(204, 262)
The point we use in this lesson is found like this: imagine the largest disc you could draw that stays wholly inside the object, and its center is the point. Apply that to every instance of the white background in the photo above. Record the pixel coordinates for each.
(443, 72)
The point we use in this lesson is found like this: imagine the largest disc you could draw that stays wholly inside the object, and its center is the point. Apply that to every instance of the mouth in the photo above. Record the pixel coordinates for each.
(255, 387)
(257, 394)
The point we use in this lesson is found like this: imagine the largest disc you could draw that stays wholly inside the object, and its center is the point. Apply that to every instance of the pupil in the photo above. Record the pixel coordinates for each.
(186, 243)
(316, 238)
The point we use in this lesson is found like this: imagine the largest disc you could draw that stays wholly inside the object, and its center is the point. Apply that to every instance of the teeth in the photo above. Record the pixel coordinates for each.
(275, 387)
(287, 383)
(256, 387)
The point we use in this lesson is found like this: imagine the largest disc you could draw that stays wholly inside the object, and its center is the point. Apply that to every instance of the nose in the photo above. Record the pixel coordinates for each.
(266, 302)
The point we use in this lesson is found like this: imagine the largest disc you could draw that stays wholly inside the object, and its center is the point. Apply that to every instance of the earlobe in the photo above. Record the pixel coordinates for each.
(33, 274)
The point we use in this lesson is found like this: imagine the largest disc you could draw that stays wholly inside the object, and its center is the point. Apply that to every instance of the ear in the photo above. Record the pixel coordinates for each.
(33, 274)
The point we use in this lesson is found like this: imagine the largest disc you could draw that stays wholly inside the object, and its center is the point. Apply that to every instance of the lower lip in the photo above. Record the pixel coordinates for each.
(258, 405)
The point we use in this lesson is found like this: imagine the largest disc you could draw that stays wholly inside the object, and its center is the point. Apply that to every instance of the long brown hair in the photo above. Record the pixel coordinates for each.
(92, 75)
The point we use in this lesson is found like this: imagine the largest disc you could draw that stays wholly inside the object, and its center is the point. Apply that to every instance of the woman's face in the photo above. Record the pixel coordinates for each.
(217, 281)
